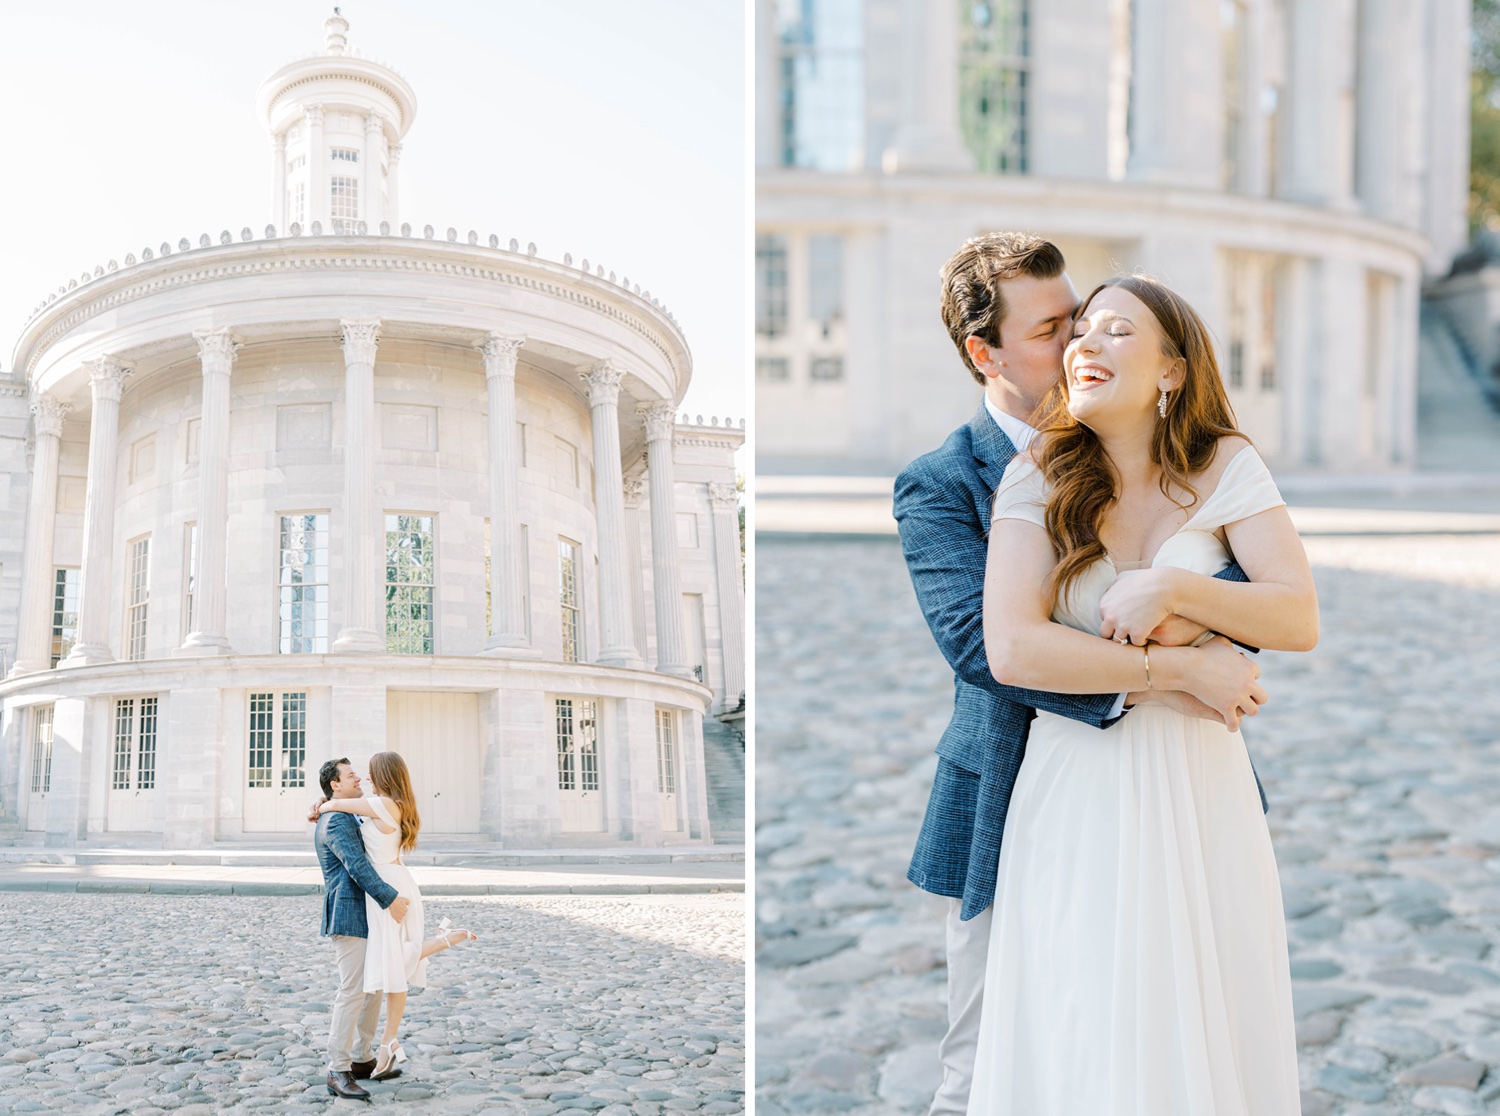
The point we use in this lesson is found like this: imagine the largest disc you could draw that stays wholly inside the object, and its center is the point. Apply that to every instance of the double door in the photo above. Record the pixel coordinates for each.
(132, 783)
(279, 786)
(437, 734)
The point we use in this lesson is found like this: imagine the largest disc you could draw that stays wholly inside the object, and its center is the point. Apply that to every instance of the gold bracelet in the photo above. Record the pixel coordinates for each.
(1146, 657)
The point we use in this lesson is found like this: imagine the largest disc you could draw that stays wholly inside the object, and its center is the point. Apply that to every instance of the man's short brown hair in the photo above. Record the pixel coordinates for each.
(973, 301)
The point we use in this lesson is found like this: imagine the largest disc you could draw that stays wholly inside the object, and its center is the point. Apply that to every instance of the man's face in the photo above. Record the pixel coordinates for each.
(347, 784)
(1036, 330)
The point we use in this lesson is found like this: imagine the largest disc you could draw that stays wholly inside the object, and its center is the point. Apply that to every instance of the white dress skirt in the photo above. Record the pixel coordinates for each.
(393, 951)
(1138, 960)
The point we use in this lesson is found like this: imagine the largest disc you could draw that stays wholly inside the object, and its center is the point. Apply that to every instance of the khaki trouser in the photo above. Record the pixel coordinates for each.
(355, 1014)
(968, 952)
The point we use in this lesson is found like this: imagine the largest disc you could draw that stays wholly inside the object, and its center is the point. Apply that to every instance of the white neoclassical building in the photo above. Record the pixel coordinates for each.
(1294, 167)
(331, 485)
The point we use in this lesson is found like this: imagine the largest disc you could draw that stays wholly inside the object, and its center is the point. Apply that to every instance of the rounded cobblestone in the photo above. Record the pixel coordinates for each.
(201, 1005)
(1380, 753)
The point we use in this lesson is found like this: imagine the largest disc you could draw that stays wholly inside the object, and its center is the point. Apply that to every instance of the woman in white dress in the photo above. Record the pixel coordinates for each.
(1138, 960)
(395, 953)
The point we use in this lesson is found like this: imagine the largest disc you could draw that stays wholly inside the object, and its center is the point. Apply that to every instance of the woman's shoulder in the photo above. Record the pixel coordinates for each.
(381, 804)
(1229, 449)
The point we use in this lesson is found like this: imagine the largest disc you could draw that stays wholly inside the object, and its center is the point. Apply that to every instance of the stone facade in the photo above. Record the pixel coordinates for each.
(1295, 169)
(333, 488)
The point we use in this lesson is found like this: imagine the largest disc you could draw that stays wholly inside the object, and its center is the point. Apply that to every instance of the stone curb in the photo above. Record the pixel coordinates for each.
(209, 887)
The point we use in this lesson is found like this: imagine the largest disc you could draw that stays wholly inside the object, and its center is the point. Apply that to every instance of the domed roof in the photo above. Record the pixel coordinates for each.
(336, 70)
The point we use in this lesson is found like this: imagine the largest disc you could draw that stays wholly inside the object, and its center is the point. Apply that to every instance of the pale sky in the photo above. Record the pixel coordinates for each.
(614, 131)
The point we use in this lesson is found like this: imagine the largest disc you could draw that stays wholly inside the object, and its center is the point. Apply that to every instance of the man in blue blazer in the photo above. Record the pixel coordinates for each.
(347, 876)
(1008, 306)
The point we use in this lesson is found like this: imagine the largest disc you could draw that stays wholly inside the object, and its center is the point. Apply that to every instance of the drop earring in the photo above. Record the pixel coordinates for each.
(1161, 405)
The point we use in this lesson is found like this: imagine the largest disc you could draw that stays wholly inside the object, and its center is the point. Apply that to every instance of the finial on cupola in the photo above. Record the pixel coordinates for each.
(335, 33)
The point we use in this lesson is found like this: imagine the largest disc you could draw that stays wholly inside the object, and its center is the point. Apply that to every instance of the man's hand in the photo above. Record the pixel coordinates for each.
(1225, 681)
(398, 907)
(1177, 631)
(1136, 604)
(1184, 703)
(312, 813)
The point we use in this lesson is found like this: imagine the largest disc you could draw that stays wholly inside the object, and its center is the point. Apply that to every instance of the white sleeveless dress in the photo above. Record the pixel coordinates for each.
(393, 960)
(1138, 960)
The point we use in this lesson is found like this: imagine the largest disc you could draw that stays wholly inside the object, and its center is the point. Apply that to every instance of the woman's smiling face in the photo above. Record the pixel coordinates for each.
(1115, 365)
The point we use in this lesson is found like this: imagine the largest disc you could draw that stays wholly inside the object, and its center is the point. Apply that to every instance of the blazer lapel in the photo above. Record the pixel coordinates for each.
(993, 450)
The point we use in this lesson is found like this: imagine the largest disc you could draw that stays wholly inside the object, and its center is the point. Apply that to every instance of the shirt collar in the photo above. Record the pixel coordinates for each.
(1019, 433)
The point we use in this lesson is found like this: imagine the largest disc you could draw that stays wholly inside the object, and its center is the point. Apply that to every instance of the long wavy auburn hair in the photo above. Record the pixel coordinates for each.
(391, 778)
(1082, 479)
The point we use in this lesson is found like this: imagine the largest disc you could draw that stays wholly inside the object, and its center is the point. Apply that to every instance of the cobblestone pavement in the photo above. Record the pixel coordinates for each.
(1380, 752)
(195, 1005)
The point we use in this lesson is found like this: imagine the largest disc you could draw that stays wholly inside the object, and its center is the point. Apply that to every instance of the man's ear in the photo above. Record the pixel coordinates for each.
(985, 356)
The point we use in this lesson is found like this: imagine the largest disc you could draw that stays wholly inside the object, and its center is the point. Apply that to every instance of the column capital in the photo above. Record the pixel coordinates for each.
(373, 122)
(394, 155)
(315, 115)
(278, 142)
(635, 492)
(47, 413)
(723, 495)
(660, 419)
(603, 382)
(360, 338)
(107, 376)
(216, 349)
(500, 352)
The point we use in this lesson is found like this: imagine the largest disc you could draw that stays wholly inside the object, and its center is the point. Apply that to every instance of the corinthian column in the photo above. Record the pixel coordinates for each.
(369, 207)
(278, 182)
(317, 171)
(609, 506)
(33, 650)
(666, 579)
(509, 622)
(107, 380)
(216, 349)
(725, 499)
(364, 626)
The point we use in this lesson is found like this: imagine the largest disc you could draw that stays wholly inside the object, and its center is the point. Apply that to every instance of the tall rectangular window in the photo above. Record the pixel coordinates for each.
(409, 580)
(577, 744)
(770, 285)
(259, 762)
(277, 740)
(344, 155)
(821, 109)
(994, 75)
(825, 288)
(1232, 17)
(570, 599)
(297, 202)
(302, 584)
(135, 745)
(64, 613)
(145, 767)
(41, 749)
(137, 596)
(666, 752)
(344, 207)
(124, 744)
(189, 575)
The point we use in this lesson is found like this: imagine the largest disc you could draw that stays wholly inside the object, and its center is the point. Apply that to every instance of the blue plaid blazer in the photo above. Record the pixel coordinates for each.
(347, 875)
(942, 507)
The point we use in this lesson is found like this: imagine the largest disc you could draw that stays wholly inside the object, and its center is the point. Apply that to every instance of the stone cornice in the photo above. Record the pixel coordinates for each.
(792, 198)
(110, 290)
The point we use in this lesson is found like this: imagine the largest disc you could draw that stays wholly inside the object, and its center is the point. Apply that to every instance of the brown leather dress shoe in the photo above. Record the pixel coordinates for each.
(341, 1084)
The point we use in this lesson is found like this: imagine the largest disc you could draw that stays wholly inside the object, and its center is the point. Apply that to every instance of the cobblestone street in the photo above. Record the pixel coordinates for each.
(146, 1004)
(1380, 753)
